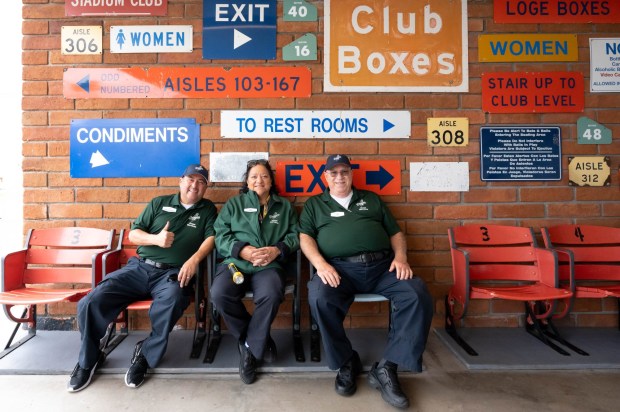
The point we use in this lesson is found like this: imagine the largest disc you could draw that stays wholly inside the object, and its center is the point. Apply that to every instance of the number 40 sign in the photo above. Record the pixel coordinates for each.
(447, 131)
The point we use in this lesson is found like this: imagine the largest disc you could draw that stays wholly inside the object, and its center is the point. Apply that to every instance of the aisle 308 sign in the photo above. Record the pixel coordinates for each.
(447, 131)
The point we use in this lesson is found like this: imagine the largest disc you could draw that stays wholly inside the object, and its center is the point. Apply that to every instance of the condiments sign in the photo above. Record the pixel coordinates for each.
(396, 46)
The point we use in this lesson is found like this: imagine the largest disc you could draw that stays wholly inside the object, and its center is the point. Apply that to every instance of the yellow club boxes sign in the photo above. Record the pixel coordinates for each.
(396, 46)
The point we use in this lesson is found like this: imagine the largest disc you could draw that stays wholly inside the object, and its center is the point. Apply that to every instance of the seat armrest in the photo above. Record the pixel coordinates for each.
(13, 266)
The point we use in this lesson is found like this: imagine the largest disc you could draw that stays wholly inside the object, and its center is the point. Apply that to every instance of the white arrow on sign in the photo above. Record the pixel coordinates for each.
(97, 159)
(240, 39)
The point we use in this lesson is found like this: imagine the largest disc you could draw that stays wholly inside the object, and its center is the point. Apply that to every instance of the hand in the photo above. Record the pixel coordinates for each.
(328, 275)
(403, 270)
(264, 255)
(165, 238)
(187, 272)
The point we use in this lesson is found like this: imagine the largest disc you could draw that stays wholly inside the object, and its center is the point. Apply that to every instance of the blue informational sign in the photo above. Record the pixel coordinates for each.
(520, 153)
(133, 147)
(239, 29)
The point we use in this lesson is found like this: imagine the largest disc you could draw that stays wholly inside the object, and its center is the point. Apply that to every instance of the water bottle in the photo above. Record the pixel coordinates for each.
(237, 276)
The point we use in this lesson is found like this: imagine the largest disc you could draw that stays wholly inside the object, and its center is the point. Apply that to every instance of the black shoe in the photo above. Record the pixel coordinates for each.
(80, 377)
(271, 351)
(247, 364)
(137, 371)
(345, 380)
(386, 380)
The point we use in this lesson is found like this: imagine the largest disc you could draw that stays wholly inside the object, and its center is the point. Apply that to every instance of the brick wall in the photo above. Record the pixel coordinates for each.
(52, 198)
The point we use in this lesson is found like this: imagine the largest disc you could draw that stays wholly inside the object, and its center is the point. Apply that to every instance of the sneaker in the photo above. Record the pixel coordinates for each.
(345, 380)
(271, 351)
(386, 380)
(80, 377)
(247, 364)
(137, 371)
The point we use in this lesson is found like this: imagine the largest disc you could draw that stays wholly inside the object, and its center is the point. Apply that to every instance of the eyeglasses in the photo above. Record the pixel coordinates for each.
(252, 163)
(334, 173)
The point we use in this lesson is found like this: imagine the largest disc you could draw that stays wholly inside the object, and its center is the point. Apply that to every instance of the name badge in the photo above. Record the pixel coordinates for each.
(337, 214)
(250, 209)
(169, 209)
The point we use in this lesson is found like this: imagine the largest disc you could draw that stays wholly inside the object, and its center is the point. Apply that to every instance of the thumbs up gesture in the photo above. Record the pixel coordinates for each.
(165, 237)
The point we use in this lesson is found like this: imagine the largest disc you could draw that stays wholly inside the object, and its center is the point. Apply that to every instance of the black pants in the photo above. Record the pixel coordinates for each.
(268, 288)
(135, 281)
(412, 311)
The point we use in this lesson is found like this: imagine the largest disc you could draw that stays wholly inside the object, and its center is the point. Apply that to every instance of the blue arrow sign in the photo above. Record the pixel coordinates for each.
(239, 29)
(379, 177)
(387, 125)
(84, 83)
(133, 147)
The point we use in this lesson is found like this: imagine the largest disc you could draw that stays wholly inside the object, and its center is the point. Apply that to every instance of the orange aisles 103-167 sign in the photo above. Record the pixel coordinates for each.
(396, 46)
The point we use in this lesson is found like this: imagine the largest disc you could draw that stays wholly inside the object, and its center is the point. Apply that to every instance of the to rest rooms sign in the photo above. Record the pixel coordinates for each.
(396, 46)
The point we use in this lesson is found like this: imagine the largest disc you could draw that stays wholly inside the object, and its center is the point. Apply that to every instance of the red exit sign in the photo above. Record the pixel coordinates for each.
(116, 7)
(308, 178)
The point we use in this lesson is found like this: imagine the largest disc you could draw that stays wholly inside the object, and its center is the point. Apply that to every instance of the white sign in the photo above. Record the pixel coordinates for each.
(439, 177)
(81, 40)
(230, 167)
(605, 65)
(308, 124)
(151, 39)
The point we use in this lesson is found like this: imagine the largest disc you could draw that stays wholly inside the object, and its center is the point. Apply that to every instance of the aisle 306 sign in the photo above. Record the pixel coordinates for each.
(447, 131)
(81, 40)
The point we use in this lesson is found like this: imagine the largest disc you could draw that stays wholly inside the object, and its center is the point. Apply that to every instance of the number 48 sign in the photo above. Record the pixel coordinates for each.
(447, 131)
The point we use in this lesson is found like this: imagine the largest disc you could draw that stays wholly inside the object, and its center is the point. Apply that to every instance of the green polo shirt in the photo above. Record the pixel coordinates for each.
(238, 225)
(190, 227)
(366, 226)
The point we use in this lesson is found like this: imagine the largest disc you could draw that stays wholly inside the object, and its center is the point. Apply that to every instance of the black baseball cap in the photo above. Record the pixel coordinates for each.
(197, 169)
(337, 159)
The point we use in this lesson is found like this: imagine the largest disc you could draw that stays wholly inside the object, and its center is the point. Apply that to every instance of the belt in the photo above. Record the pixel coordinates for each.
(158, 265)
(366, 257)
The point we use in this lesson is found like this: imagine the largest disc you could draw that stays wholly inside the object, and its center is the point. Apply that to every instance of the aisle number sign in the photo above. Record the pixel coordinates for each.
(447, 131)
(396, 46)
(81, 40)
(299, 10)
(589, 171)
(592, 132)
(306, 178)
(304, 48)
(186, 82)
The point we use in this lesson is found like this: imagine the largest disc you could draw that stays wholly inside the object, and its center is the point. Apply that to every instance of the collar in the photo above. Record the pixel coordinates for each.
(176, 200)
(326, 197)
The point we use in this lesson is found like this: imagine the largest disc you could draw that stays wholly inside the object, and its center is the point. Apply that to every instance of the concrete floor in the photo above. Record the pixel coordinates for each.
(446, 385)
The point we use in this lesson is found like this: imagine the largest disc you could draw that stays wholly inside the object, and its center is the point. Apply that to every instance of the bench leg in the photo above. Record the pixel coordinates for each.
(315, 341)
(215, 335)
(298, 346)
(549, 330)
(536, 328)
(451, 330)
(112, 338)
(32, 331)
(200, 334)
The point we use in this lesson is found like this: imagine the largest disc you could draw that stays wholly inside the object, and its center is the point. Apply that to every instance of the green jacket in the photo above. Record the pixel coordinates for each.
(237, 225)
